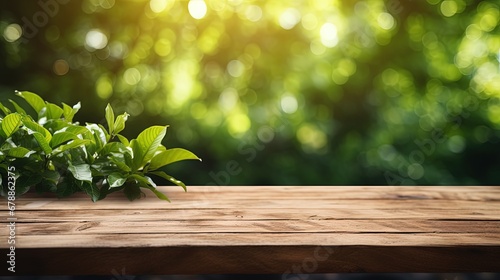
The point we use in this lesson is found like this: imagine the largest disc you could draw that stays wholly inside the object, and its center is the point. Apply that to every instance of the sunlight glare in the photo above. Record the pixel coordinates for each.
(96, 39)
(12, 32)
(158, 6)
(289, 18)
(329, 36)
(253, 13)
(197, 9)
(289, 104)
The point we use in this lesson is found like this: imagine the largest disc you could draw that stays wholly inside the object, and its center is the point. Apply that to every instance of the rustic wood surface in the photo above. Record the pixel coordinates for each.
(281, 230)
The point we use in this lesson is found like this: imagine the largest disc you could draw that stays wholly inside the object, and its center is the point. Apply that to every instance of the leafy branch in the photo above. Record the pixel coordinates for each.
(54, 154)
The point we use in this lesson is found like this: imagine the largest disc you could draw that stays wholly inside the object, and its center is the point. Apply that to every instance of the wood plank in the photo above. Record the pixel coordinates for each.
(285, 260)
(262, 226)
(331, 192)
(264, 203)
(110, 240)
(30, 216)
(262, 230)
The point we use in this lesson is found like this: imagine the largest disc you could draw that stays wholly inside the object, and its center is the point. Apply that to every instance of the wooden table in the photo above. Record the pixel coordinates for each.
(279, 230)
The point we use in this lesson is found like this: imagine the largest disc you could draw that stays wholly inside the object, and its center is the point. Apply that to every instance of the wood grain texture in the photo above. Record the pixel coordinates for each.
(281, 230)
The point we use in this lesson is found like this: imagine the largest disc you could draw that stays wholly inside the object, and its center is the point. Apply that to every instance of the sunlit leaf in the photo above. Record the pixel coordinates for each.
(81, 172)
(170, 156)
(19, 152)
(11, 123)
(53, 111)
(76, 129)
(113, 147)
(4, 109)
(123, 139)
(149, 140)
(33, 126)
(18, 108)
(116, 180)
(69, 112)
(33, 99)
(106, 134)
(71, 145)
(43, 143)
(62, 137)
(136, 154)
(119, 124)
(98, 136)
(170, 178)
(120, 164)
(110, 118)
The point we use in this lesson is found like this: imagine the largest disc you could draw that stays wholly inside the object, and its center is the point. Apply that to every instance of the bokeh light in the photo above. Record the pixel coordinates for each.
(197, 8)
(12, 32)
(95, 39)
(298, 92)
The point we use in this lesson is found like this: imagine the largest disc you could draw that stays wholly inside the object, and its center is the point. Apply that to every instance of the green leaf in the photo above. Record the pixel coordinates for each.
(143, 180)
(55, 125)
(73, 144)
(136, 155)
(70, 112)
(158, 194)
(42, 142)
(62, 137)
(92, 190)
(110, 118)
(19, 152)
(106, 134)
(116, 180)
(67, 112)
(11, 123)
(148, 183)
(120, 123)
(35, 127)
(52, 177)
(53, 111)
(26, 180)
(170, 178)
(19, 109)
(160, 149)
(99, 136)
(132, 191)
(120, 164)
(66, 188)
(4, 109)
(112, 147)
(81, 172)
(41, 134)
(105, 191)
(149, 140)
(170, 156)
(76, 129)
(123, 139)
(34, 100)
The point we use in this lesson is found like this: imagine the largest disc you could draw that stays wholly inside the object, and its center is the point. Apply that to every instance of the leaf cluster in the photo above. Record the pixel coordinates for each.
(52, 153)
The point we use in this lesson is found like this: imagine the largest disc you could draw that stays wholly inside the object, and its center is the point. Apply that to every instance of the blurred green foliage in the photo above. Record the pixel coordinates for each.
(278, 92)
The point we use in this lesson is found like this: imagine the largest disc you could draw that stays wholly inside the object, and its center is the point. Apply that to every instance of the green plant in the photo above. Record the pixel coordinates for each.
(52, 153)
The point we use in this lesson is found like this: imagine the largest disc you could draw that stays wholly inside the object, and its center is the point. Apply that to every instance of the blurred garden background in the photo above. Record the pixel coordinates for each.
(372, 92)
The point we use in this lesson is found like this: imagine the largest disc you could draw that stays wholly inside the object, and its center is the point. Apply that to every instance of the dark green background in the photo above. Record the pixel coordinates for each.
(405, 92)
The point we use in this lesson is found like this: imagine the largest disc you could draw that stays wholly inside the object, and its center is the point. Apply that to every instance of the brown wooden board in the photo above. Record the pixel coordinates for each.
(281, 230)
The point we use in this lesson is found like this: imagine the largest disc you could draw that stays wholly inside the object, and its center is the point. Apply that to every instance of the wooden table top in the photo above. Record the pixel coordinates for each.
(281, 230)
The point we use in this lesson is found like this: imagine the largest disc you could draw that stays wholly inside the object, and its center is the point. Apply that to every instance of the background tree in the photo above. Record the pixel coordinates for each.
(278, 92)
